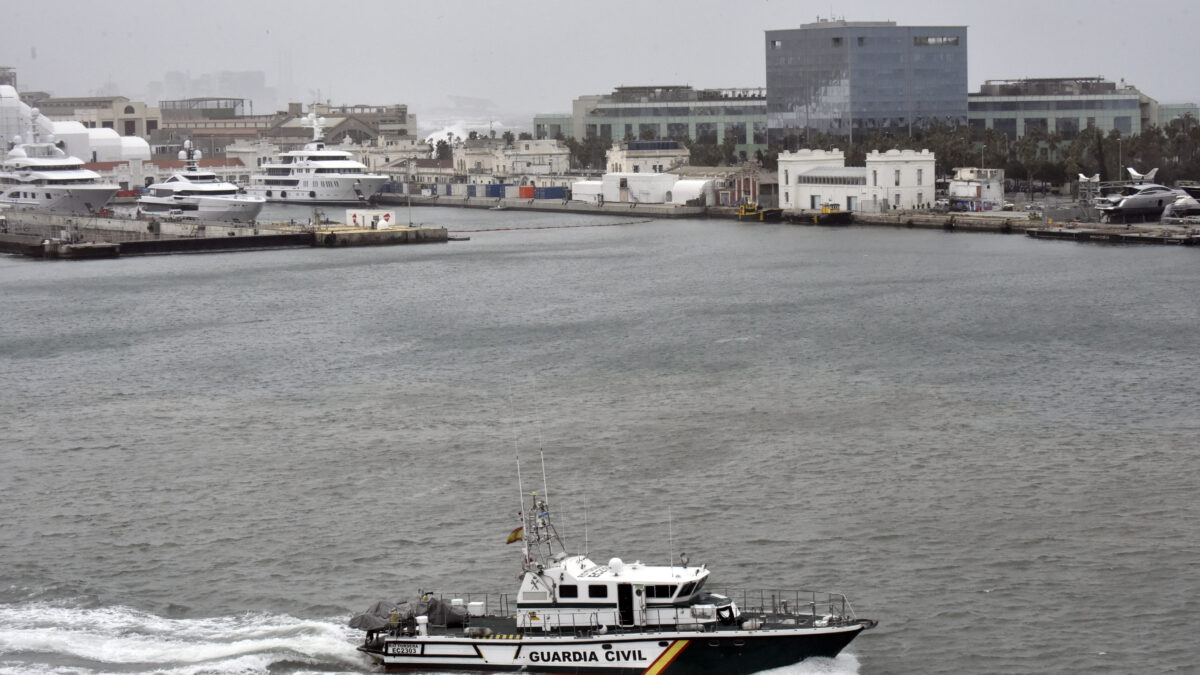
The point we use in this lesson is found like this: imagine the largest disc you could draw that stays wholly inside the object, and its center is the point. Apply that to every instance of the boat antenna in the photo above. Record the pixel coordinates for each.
(585, 524)
(670, 539)
(520, 495)
(545, 487)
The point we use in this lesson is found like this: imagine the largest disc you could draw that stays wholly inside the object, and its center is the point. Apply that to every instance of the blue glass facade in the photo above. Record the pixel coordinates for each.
(839, 77)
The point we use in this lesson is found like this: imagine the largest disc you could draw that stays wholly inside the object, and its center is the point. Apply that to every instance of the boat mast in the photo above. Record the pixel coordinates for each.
(190, 156)
(539, 535)
(521, 512)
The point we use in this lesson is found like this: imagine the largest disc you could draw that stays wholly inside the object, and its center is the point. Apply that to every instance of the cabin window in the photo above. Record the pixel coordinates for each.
(687, 589)
(568, 591)
(660, 591)
(597, 591)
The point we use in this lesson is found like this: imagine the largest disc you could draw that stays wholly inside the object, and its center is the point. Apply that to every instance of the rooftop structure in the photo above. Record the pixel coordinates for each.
(1063, 106)
(203, 108)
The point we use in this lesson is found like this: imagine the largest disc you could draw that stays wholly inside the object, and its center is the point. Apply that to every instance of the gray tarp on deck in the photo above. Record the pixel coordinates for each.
(378, 615)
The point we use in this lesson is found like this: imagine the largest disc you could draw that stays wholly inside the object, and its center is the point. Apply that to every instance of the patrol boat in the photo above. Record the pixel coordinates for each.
(572, 615)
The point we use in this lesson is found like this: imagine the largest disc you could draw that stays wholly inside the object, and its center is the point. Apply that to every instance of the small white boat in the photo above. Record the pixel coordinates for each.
(194, 193)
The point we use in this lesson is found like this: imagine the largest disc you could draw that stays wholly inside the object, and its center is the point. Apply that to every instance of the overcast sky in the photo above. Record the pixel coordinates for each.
(536, 56)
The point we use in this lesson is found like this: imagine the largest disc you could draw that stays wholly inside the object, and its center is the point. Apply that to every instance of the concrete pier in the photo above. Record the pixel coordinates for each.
(48, 235)
(1161, 235)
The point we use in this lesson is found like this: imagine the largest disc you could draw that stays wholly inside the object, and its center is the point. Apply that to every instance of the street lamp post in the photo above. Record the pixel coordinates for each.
(1120, 157)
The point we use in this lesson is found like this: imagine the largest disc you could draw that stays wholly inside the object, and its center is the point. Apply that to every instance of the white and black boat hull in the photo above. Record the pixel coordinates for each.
(80, 199)
(667, 653)
(204, 208)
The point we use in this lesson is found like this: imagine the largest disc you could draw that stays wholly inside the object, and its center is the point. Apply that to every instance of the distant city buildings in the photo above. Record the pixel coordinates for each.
(845, 77)
(646, 157)
(126, 117)
(1063, 106)
(553, 125)
(495, 160)
(1168, 112)
(249, 85)
(669, 112)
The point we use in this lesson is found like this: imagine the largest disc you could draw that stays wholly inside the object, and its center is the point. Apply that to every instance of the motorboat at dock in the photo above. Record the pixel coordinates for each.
(1139, 198)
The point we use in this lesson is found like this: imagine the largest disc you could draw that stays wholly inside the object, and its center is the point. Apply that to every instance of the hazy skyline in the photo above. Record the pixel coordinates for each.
(524, 57)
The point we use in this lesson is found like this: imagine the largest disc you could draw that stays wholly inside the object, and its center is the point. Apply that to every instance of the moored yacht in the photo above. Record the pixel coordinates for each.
(37, 174)
(316, 174)
(1139, 197)
(194, 193)
(574, 615)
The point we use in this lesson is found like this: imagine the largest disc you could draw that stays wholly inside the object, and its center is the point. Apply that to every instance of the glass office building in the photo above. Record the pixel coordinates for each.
(842, 77)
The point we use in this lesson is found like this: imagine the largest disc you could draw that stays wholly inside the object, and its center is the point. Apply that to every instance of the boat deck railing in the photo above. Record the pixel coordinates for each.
(771, 607)
(789, 603)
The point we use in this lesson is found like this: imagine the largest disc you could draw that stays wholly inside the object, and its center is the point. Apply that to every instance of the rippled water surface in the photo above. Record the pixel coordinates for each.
(987, 442)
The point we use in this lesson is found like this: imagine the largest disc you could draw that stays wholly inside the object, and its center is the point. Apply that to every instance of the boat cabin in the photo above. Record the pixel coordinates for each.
(576, 592)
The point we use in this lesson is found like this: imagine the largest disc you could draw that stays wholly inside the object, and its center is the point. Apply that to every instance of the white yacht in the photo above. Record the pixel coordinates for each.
(194, 193)
(316, 174)
(38, 174)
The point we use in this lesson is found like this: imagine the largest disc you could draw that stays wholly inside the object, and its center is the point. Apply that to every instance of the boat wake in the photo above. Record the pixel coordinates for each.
(844, 664)
(38, 637)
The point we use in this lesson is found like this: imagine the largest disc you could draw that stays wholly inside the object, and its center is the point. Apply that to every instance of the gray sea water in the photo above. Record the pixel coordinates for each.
(989, 443)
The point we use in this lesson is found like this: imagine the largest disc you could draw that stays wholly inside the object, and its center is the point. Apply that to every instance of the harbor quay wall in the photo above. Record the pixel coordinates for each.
(546, 205)
(1004, 222)
(340, 237)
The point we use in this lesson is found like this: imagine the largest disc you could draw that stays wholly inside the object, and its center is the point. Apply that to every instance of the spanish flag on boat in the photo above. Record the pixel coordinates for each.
(516, 535)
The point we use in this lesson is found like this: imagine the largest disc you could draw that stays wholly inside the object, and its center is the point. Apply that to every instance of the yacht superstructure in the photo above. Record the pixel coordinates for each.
(316, 174)
(37, 174)
(195, 193)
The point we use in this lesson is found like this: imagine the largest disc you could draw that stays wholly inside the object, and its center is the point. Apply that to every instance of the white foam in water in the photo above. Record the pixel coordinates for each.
(844, 664)
(248, 643)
